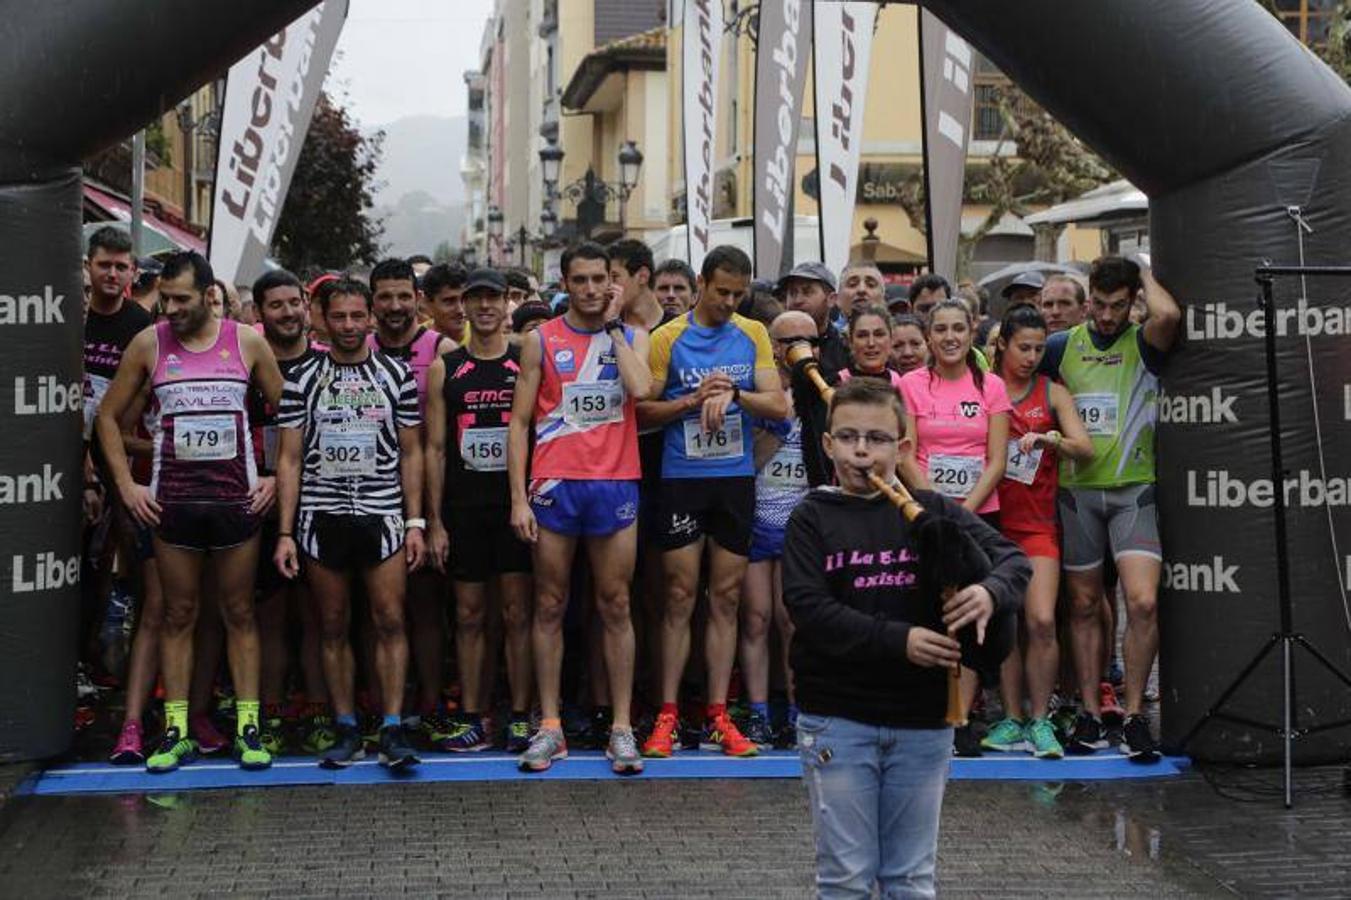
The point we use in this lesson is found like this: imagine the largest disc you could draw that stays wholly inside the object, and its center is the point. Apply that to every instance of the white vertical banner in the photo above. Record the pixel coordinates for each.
(700, 52)
(269, 100)
(946, 64)
(842, 37)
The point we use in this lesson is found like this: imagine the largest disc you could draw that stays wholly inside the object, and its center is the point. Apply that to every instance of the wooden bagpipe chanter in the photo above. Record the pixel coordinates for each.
(949, 559)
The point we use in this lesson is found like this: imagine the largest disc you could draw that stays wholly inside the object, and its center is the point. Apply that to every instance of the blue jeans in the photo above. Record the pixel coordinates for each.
(875, 794)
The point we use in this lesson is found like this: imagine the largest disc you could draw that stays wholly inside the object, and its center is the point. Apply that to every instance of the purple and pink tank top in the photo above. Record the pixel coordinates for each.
(203, 445)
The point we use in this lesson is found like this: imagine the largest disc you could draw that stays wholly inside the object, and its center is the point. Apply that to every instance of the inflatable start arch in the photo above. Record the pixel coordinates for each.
(1209, 106)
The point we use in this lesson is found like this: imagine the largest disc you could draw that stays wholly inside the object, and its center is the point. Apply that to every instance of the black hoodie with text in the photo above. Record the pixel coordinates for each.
(851, 585)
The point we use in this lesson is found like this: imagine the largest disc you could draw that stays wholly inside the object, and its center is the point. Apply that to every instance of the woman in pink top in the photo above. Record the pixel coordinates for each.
(957, 416)
(957, 419)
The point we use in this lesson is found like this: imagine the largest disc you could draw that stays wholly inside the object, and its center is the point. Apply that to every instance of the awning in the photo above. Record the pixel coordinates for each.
(645, 51)
(171, 236)
(1117, 200)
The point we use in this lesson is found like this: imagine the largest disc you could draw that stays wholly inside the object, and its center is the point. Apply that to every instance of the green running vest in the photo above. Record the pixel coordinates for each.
(1117, 398)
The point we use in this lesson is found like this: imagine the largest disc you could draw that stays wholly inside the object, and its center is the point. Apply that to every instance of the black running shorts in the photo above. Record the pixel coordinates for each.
(722, 509)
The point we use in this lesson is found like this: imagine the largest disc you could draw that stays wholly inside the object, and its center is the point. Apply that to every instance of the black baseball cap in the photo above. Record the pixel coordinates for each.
(485, 279)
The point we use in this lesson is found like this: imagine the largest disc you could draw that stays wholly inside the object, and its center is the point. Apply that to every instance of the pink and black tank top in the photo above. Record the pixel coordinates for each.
(203, 448)
(418, 354)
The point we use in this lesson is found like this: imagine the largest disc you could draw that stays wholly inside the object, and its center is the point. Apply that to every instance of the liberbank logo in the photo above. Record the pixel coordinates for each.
(1220, 322)
(1214, 577)
(1218, 489)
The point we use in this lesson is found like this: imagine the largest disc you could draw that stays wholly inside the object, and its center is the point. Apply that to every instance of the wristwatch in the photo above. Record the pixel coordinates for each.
(410, 524)
(614, 323)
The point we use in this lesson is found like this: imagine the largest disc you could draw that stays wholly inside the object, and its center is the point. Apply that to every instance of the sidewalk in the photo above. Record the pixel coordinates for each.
(1174, 837)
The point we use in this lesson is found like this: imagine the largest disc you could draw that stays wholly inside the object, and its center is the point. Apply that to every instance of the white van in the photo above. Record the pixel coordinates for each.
(739, 233)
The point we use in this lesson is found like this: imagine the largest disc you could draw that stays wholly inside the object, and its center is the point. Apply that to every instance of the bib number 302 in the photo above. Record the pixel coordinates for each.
(347, 454)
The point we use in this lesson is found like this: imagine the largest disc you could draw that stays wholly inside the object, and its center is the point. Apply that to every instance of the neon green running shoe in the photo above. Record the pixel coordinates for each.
(250, 752)
(320, 734)
(1006, 736)
(274, 735)
(1041, 740)
(171, 752)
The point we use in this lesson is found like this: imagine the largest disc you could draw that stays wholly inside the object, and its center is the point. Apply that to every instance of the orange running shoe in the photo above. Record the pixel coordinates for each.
(722, 734)
(661, 743)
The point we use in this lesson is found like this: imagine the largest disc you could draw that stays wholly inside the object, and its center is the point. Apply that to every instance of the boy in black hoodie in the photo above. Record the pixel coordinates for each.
(870, 655)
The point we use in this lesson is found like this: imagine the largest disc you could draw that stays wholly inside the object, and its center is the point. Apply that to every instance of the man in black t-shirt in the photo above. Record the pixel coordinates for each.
(469, 394)
(111, 320)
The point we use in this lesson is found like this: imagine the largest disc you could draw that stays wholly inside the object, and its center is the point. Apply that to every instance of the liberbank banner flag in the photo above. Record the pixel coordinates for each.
(269, 100)
(783, 48)
(945, 61)
(843, 44)
(701, 48)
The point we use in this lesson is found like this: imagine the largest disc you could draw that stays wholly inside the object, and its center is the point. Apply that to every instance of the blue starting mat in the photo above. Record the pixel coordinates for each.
(209, 774)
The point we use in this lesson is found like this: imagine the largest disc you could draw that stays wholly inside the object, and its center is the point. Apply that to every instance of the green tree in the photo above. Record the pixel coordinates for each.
(326, 221)
(444, 253)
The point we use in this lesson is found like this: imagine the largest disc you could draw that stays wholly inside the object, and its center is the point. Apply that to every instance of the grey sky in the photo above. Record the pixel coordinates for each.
(407, 57)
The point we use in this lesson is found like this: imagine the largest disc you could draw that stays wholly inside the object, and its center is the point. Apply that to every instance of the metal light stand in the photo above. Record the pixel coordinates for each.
(1287, 638)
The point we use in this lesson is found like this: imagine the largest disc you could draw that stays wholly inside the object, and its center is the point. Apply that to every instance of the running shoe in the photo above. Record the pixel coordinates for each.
(1087, 736)
(466, 735)
(435, 729)
(249, 750)
(758, 731)
(1041, 740)
(1062, 720)
(274, 734)
(204, 732)
(84, 717)
(319, 734)
(1112, 713)
(547, 746)
(518, 735)
(623, 752)
(348, 747)
(661, 742)
(128, 750)
(370, 726)
(595, 734)
(1138, 744)
(964, 742)
(722, 734)
(395, 754)
(171, 752)
(1007, 736)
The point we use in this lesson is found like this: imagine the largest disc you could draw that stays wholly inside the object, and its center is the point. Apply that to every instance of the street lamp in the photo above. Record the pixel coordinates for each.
(589, 194)
(551, 163)
(548, 223)
(630, 162)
